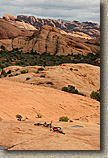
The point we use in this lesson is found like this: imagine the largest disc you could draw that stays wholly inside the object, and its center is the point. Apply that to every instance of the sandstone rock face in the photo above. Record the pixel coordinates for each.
(76, 34)
(8, 30)
(9, 17)
(18, 23)
(89, 28)
(48, 39)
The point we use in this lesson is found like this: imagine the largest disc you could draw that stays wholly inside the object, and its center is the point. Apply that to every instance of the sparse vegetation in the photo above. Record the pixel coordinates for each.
(49, 83)
(65, 119)
(16, 57)
(71, 69)
(95, 95)
(70, 120)
(37, 72)
(10, 75)
(19, 117)
(40, 69)
(16, 74)
(28, 78)
(24, 72)
(75, 69)
(3, 73)
(9, 72)
(71, 89)
(42, 76)
(77, 119)
(39, 115)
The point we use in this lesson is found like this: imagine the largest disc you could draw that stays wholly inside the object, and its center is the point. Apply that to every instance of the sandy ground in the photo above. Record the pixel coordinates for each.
(30, 100)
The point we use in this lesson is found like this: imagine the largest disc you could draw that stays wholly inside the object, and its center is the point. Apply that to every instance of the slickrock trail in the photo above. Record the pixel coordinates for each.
(26, 136)
(29, 100)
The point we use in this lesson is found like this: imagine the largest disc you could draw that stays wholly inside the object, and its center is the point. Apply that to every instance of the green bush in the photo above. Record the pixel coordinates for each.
(3, 73)
(37, 72)
(11, 75)
(49, 83)
(42, 76)
(24, 72)
(19, 117)
(65, 89)
(9, 72)
(16, 74)
(65, 119)
(95, 95)
(71, 89)
(71, 69)
(71, 121)
(2, 47)
(39, 115)
(40, 69)
(28, 78)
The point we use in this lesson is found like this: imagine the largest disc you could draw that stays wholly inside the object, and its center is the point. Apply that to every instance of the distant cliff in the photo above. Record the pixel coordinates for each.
(89, 28)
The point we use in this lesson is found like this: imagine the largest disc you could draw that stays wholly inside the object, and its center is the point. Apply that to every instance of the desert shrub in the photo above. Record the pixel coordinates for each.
(40, 69)
(77, 119)
(37, 72)
(11, 75)
(28, 78)
(2, 47)
(71, 121)
(39, 115)
(64, 89)
(9, 72)
(3, 73)
(75, 69)
(2, 66)
(71, 69)
(19, 117)
(95, 95)
(16, 74)
(17, 69)
(42, 76)
(65, 119)
(24, 72)
(71, 89)
(49, 83)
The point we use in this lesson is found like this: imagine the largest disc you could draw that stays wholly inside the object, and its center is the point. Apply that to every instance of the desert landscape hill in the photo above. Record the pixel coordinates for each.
(85, 77)
(40, 59)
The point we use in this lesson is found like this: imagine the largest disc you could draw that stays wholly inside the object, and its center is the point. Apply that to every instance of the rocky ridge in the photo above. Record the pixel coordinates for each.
(89, 28)
(47, 39)
(17, 22)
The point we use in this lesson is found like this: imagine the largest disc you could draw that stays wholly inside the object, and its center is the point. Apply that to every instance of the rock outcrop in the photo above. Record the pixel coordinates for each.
(17, 22)
(89, 28)
(47, 39)
(7, 30)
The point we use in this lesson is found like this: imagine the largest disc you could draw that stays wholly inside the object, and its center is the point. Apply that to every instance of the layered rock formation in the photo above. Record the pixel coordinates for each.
(89, 28)
(7, 30)
(17, 22)
(47, 39)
